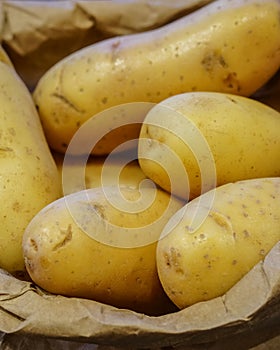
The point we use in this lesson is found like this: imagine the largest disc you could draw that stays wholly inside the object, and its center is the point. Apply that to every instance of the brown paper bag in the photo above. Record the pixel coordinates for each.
(246, 315)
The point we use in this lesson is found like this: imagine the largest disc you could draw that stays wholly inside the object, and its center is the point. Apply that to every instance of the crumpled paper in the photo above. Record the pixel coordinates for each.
(247, 315)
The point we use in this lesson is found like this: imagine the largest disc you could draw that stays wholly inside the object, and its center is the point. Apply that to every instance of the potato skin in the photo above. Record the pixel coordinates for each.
(29, 177)
(4, 57)
(227, 46)
(241, 135)
(98, 171)
(61, 258)
(240, 227)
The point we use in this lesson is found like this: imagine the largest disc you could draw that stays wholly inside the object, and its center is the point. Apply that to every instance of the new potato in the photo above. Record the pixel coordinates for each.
(87, 245)
(201, 259)
(77, 174)
(28, 174)
(227, 46)
(193, 142)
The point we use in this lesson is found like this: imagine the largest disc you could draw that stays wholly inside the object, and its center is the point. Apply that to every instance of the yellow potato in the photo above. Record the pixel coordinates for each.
(4, 57)
(92, 244)
(227, 46)
(200, 259)
(29, 178)
(98, 171)
(193, 142)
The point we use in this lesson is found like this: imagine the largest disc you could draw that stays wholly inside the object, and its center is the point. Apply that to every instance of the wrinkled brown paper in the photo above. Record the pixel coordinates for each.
(248, 314)
(36, 35)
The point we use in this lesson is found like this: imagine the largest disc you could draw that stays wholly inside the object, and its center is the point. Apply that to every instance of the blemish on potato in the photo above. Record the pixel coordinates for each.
(221, 220)
(44, 262)
(16, 206)
(12, 131)
(232, 82)
(33, 245)
(262, 252)
(99, 209)
(67, 237)
(231, 99)
(64, 100)
(6, 151)
(104, 100)
(212, 60)
(202, 236)
(166, 259)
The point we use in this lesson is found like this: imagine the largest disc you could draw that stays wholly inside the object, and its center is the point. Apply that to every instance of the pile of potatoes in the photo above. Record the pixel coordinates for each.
(141, 172)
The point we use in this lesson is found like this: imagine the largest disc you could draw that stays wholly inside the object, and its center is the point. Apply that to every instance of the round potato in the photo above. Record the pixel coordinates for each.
(217, 238)
(94, 244)
(193, 142)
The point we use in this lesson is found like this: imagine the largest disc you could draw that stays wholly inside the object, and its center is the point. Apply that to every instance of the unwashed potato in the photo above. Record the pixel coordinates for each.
(28, 175)
(227, 46)
(200, 259)
(86, 245)
(193, 142)
(76, 174)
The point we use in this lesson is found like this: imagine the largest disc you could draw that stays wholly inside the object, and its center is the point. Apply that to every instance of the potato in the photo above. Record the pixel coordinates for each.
(93, 244)
(77, 174)
(29, 177)
(227, 46)
(4, 57)
(193, 142)
(217, 238)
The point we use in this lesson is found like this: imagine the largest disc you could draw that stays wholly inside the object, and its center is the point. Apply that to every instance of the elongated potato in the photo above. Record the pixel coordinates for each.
(193, 142)
(28, 176)
(97, 172)
(203, 258)
(92, 244)
(227, 46)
